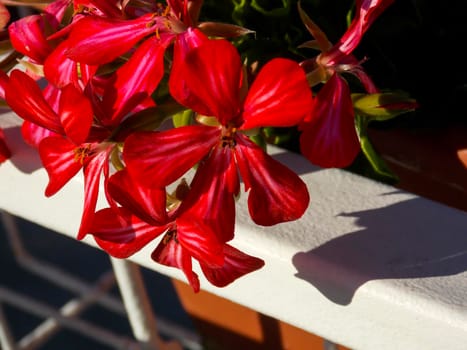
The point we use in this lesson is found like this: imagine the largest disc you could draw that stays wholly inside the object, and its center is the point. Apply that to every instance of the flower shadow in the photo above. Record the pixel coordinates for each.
(25, 158)
(415, 238)
(295, 162)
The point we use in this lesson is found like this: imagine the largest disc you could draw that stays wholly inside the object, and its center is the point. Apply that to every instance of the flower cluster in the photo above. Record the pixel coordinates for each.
(163, 115)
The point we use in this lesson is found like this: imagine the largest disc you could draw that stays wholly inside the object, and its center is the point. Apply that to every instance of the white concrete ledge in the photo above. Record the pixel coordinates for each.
(368, 266)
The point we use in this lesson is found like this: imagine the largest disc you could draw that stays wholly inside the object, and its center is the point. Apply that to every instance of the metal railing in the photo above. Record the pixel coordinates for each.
(136, 306)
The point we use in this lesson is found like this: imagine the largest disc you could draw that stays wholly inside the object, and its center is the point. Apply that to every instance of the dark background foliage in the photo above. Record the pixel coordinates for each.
(416, 46)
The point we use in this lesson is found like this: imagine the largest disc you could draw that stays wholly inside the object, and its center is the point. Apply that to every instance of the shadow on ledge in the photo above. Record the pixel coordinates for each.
(412, 239)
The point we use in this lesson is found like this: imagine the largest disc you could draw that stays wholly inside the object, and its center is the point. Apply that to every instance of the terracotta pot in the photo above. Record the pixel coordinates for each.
(430, 162)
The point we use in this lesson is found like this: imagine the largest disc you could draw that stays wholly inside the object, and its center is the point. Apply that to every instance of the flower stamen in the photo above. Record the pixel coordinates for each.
(228, 137)
(81, 153)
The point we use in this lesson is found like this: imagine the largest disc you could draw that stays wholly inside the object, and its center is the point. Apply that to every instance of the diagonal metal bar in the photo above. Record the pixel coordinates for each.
(6, 338)
(85, 328)
(73, 308)
(50, 272)
(329, 345)
(188, 338)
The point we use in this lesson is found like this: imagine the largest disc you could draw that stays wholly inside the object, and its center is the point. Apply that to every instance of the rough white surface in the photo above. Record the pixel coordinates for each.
(368, 266)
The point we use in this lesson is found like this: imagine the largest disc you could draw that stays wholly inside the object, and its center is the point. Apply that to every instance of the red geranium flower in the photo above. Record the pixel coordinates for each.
(123, 231)
(329, 137)
(76, 129)
(213, 85)
(99, 40)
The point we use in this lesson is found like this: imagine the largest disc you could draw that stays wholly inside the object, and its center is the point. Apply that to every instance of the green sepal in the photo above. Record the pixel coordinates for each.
(383, 106)
(152, 118)
(182, 118)
(276, 12)
(377, 163)
(259, 140)
(276, 136)
(115, 158)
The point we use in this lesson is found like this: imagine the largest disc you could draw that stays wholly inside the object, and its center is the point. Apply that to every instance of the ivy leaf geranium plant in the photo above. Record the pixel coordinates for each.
(140, 92)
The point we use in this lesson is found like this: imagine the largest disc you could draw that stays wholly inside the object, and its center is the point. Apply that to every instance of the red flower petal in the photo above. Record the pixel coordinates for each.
(279, 96)
(60, 70)
(137, 79)
(157, 159)
(329, 138)
(76, 114)
(199, 240)
(93, 169)
(97, 40)
(25, 98)
(27, 35)
(122, 234)
(148, 204)
(33, 134)
(277, 194)
(170, 253)
(59, 159)
(56, 10)
(367, 11)
(236, 265)
(212, 74)
(212, 197)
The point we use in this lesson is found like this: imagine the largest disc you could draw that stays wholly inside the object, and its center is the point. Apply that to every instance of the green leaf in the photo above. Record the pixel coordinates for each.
(275, 12)
(259, 140)
(182, 118)
(376, 162)
(383, 106)
(276, 136)
(152, 118)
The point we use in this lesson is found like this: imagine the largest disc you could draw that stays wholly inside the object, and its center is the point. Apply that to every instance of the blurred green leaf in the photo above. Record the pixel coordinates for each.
(182, 118)
(376, 162)
(259, 140)
(383, 106)
(152, 118)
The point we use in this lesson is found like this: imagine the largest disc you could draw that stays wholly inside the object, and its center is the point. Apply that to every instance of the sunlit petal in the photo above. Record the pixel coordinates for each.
(276, 194)
(76, 114)
(199, 240)
(236, 265)
(279, 96)
(93, 170)
(59, 159)
(157, 159)
(137, 79)
(27, 35)
(212, 72)
(149, 204)
(25, 98)
(113, 37)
